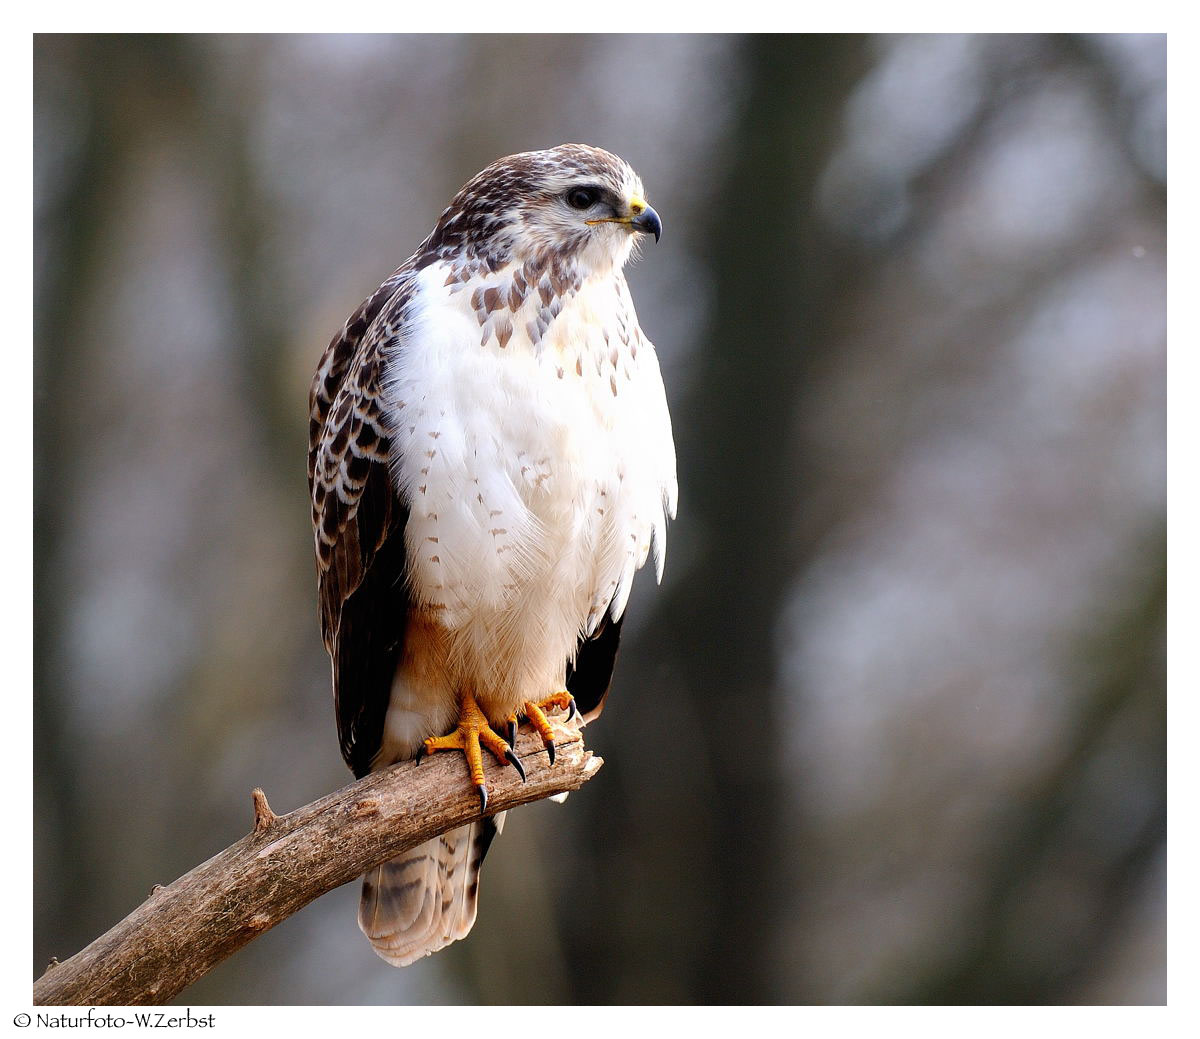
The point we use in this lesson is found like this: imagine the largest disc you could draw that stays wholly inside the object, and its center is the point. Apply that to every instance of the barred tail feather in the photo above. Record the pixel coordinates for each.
(425, 899)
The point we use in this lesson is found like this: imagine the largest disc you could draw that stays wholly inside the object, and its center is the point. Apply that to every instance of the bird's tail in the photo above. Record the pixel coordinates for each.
(425, 899)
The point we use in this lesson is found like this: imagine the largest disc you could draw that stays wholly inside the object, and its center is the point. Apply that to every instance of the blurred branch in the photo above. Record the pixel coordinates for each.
(185, 929)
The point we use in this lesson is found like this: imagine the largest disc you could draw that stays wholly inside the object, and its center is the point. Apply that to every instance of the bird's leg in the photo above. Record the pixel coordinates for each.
(472, 734)
(535, 712)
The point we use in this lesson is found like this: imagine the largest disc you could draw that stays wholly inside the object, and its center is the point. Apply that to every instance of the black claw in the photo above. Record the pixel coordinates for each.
(482, 797)
(421, 752)
(515, 762)
(550, 750)
(512, 733)
(572, 710)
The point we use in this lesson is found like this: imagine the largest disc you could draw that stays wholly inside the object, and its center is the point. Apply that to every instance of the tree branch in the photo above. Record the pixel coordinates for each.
(185, 929)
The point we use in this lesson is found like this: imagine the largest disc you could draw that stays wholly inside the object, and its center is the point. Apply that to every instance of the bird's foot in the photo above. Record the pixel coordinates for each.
(535, 712)
(473, 733)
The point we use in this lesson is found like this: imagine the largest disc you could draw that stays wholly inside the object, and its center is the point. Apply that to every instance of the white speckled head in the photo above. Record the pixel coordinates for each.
(572, 202)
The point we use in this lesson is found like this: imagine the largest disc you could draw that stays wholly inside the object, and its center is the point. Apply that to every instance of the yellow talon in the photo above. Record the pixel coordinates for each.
(473, 733)
(538, 720)
(535, 712)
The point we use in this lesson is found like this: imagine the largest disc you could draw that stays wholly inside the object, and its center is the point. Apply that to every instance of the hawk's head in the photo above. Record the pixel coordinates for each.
(573, 201)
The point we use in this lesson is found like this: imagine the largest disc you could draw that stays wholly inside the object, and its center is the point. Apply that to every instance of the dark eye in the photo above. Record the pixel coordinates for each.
(583, 198)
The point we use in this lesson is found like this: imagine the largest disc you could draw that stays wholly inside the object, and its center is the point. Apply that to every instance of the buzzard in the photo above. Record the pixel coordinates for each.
(490, 461)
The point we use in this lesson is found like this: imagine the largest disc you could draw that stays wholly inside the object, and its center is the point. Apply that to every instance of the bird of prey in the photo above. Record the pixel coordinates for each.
(490, 461)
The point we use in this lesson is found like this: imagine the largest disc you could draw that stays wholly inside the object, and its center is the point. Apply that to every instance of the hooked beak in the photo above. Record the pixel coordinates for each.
(641, 218)
(647, 222)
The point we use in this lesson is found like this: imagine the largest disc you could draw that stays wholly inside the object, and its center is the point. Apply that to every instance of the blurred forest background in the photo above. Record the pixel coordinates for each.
(911, 308)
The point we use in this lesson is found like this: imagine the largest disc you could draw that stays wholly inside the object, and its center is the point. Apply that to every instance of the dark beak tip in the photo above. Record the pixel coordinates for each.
(648, 222)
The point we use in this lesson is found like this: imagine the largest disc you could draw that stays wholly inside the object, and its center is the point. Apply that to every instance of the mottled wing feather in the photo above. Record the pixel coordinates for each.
(365, 651)
(336, 360)
(590, 676)
(358, 522)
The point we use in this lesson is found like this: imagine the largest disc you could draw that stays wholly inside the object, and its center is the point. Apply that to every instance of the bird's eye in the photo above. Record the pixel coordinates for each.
(582, 198)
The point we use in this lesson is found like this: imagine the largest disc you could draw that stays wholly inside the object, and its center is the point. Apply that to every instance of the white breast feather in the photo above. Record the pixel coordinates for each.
(535, 490)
